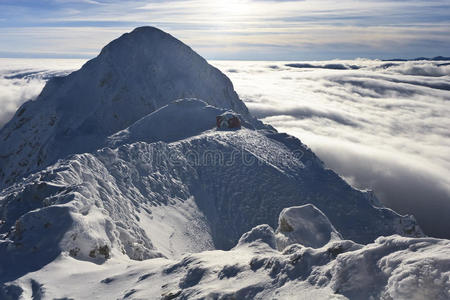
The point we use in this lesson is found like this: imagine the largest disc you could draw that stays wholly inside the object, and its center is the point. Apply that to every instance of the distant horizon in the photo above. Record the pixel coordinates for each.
(236, 59)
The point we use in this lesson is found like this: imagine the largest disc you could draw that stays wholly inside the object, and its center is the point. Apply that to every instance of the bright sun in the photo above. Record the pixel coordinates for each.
(232, 8)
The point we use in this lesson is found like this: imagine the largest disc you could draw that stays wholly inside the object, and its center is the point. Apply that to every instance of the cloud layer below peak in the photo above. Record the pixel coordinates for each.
(382, 125)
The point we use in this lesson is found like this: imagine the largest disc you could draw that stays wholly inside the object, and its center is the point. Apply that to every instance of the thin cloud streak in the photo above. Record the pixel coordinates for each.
(305, 28)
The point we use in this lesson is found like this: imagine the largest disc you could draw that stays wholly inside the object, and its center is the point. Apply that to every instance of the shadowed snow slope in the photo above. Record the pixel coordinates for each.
(392, 267)
(164, 199)
(134, 75)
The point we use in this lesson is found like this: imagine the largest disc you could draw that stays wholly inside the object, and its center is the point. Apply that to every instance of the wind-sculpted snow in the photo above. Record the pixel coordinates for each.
(133, 76)
(390, 268)
(305, 225)
(199, 193)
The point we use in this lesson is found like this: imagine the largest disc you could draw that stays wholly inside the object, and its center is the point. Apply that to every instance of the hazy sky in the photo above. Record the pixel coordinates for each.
(248, 29)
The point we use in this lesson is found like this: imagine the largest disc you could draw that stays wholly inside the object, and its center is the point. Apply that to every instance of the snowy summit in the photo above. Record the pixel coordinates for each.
(120, 181)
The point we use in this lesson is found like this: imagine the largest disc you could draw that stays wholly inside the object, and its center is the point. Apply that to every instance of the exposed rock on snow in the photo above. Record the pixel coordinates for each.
(305, 225)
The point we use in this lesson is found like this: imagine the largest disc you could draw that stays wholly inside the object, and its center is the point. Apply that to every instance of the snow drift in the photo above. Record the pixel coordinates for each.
(305, 225)
(392, 267)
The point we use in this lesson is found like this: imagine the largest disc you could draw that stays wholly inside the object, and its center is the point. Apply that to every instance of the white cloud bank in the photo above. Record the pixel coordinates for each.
(382, 125)
(23, 79)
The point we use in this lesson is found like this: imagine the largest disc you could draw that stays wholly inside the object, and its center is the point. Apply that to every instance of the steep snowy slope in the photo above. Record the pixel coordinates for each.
(133, 76)
(200, 192)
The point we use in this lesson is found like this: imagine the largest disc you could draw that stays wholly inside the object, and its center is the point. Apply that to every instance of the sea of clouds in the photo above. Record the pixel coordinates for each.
(383, 126)
(23, 79)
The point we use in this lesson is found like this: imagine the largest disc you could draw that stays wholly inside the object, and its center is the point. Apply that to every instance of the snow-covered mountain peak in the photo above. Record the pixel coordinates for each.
(133, 76)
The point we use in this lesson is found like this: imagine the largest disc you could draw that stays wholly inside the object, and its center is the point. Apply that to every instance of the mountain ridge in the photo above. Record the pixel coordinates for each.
(151, 199)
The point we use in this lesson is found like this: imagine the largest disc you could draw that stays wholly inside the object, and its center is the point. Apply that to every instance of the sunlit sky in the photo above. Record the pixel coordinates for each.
(248, 29)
